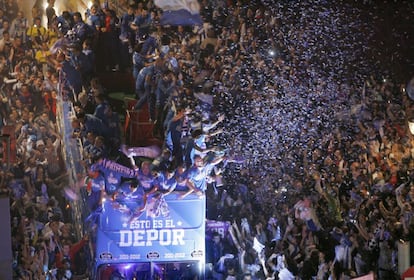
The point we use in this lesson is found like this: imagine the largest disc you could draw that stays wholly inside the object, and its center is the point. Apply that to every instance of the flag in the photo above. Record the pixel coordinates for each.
(278, 235)
(191, 6)
(179, 12)
(257, 246)
(70, 194)
(59, 44)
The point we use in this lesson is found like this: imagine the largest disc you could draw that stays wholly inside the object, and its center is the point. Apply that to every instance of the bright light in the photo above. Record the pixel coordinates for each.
(90, 4)
(45, 5)
(411, 126)
(128, 266)
(201, 265)
(272, 52)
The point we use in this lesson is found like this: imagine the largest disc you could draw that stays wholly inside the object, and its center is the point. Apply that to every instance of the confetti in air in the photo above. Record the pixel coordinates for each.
(298, 87)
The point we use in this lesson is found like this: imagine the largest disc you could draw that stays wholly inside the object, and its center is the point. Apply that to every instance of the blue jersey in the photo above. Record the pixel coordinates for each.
(181, 179)
(140, 82)
(199, 176)
(95, 125)
(164, 183)
(94, 21)
(145, 181)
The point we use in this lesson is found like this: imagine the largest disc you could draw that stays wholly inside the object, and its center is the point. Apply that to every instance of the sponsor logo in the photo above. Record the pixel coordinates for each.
(105, 256)
(197, 254)
(153, 255)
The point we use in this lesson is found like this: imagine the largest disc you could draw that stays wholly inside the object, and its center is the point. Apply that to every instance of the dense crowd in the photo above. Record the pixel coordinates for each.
(309, 159)
(33, 171)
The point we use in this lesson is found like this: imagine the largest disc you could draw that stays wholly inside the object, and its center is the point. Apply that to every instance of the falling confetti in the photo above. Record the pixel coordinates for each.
(302, 85)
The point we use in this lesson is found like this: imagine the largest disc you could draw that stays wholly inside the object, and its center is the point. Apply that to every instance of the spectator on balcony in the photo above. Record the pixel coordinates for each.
(19, 26)
(36, 34)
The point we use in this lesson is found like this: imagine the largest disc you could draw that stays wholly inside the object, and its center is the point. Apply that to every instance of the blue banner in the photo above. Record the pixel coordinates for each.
(180, 17)
(167, 230)
(179, 12)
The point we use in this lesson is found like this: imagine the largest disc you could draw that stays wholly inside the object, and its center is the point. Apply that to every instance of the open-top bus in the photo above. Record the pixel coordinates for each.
(163, 240)
(166, 241)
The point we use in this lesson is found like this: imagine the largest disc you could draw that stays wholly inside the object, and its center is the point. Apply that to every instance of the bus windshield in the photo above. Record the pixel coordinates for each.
(150, 271)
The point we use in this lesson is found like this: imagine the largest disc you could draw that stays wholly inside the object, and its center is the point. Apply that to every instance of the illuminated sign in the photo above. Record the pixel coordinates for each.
(180, 235)
(165, 237)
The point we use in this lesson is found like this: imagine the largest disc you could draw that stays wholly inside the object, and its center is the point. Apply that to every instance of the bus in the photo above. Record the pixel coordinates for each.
(165, 241)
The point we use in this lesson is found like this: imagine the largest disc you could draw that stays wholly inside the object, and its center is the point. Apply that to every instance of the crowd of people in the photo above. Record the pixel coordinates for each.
(309, 159)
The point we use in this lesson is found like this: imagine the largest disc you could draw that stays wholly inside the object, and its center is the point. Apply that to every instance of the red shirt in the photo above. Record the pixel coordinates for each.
(74, 249)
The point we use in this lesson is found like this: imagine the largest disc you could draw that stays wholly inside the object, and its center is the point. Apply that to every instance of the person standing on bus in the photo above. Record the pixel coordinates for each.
(163, 184)
(145, 177)
(198, 174)
(165, 181)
